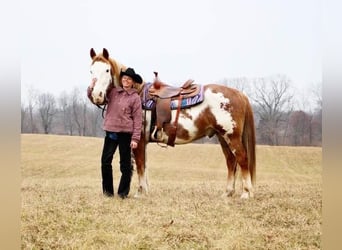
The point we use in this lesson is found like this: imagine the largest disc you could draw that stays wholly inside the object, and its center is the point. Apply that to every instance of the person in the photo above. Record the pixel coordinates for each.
(122, 125)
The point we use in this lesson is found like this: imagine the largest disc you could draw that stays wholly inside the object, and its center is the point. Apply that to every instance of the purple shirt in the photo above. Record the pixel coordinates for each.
(124, 112)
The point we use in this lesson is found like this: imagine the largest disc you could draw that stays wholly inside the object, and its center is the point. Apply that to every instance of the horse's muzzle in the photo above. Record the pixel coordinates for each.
(99, 99)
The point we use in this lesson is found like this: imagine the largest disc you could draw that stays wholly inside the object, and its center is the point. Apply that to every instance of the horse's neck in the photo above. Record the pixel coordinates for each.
(117, 69)
(139, 87)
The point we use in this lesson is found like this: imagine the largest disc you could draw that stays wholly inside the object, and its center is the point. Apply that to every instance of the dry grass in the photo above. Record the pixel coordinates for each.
(63, 208)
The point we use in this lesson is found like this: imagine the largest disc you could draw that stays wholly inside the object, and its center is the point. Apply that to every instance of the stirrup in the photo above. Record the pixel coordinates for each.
(157, 135)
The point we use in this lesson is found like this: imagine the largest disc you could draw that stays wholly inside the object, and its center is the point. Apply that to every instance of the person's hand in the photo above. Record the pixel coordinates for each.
(134, 144)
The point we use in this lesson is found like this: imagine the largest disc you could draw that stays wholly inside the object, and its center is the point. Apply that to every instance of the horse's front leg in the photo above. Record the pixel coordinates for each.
(139, 156)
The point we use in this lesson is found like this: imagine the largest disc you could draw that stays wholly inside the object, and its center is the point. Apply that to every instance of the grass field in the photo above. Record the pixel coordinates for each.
(63, 207)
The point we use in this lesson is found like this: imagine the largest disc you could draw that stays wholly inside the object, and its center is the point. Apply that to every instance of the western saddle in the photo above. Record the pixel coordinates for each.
(163, 94)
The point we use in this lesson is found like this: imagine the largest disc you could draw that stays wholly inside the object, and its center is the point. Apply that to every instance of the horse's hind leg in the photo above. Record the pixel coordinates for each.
(139, 156)
(231, 166)
(241, 156)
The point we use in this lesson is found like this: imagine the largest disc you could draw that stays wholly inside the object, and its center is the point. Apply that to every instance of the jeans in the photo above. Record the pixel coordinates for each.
(111, 142)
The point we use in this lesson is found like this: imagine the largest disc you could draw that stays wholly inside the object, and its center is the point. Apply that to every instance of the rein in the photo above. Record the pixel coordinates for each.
(102, 108)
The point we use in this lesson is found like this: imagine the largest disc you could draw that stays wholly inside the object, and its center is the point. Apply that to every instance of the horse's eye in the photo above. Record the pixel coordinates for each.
(107, 70)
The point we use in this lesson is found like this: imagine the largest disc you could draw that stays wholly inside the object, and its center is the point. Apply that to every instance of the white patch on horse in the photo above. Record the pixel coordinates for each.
(100, 71)
(187, 122)
(217, 103)
(143, 185)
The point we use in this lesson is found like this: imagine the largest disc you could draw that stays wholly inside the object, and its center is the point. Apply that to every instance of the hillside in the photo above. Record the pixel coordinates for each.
(62, 205)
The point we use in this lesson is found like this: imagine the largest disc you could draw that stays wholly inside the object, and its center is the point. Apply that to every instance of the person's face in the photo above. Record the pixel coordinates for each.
(127, 82)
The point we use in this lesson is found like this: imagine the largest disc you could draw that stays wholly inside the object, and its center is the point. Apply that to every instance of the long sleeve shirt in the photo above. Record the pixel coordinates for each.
(124, 112)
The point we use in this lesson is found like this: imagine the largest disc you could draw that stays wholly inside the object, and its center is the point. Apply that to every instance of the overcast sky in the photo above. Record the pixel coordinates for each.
(181, 39)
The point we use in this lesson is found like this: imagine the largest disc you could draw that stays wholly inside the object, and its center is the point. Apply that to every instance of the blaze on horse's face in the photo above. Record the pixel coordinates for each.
(101, 78)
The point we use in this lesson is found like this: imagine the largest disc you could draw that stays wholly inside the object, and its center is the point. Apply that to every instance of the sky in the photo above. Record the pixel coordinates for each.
(203, 40)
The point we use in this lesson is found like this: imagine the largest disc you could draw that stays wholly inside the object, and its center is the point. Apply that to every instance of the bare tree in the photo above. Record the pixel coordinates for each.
(240, 83)
(79, 110)
(47, 110)
(94, 120)
(273, 99)
(300, 129)
(316, 122)
(23, 118)
(65, 106)
(317, 93)
(32, 102)
(316, 128)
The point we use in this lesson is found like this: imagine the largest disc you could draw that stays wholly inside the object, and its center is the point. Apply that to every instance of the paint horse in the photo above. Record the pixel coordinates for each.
(223, 111)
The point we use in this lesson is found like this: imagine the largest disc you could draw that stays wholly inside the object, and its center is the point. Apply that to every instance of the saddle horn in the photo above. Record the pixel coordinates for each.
(156, 82)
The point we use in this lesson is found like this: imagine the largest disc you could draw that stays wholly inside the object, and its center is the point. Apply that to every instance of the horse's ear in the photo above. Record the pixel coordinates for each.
(92, 53)
(105, 53)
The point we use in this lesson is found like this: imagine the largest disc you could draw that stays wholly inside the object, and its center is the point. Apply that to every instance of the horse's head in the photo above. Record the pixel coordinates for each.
(105, 74)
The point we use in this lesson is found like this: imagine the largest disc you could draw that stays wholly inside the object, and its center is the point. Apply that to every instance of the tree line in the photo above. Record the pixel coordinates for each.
(282, 116)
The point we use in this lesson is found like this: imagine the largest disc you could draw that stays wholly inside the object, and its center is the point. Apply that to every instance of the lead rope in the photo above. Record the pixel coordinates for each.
(102, 108)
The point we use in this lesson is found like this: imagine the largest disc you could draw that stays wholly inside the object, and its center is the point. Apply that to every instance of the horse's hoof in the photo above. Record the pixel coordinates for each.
(245, 195)
(227, 194)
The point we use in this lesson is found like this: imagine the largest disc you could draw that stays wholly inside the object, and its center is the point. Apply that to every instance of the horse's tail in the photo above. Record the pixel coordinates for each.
(248, 140)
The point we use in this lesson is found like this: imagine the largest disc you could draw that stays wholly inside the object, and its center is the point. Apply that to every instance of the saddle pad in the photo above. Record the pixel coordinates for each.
(186, 102)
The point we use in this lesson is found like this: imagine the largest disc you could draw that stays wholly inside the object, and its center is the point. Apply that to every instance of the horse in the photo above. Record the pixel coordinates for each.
(224, 112)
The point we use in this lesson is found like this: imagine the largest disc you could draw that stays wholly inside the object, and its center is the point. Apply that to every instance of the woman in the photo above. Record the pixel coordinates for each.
(122, 123)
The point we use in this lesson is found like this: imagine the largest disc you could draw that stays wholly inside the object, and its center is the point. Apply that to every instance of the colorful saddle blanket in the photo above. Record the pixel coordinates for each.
(186, 102)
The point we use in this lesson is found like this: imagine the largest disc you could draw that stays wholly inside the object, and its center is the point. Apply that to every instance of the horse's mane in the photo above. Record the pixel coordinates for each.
(139, 87)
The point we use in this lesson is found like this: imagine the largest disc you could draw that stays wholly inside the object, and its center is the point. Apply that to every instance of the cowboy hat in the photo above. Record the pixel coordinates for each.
(131, 73)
